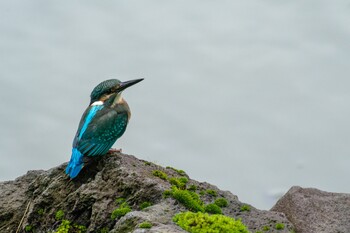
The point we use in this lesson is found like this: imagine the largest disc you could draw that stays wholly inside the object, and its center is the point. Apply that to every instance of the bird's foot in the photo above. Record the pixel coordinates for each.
(112, 150)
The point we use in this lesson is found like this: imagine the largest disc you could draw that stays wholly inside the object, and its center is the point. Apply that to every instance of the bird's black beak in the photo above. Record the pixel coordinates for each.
(126, 84)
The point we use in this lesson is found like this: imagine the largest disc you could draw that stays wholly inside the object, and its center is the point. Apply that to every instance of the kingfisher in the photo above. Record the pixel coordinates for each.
(103, 122)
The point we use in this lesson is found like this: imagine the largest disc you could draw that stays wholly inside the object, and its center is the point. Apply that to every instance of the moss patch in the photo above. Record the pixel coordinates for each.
(160, 174)
(121, 211)
(213, 209)
(64, 227)
(245, 208)
(279, 226)
(167, 193)
(145, 225)
(212, 192)
(221, 202)
(179, 182)
(145, 205)
(28, 228)
(202, 222)
(79, 228)
(41, 211)
(67, 227)
(59, 215)
(189, 199)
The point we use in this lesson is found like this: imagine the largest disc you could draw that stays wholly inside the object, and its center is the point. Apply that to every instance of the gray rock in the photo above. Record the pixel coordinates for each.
(90, 199)
(315, 211)
(14, 201)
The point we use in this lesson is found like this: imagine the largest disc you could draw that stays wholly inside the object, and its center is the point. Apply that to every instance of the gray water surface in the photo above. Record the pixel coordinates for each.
(252, 96)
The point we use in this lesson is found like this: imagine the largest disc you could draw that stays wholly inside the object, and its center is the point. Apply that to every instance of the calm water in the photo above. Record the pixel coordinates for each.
(252, 96)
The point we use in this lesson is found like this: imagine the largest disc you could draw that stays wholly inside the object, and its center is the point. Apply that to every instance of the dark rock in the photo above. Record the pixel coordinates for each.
(90, 199)
(314, 211)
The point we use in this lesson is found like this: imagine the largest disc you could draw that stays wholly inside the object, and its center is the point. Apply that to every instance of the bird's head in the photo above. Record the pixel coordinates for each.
(111, 88)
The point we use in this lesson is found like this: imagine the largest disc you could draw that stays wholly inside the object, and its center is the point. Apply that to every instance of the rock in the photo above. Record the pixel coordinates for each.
(43, 201)
(315, 211)
(13, 199)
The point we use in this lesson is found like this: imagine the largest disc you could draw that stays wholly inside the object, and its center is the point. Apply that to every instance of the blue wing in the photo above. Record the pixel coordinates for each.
(104, 128)
(98, 130)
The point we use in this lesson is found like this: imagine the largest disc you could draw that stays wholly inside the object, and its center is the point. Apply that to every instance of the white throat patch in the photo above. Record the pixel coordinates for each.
(97, 103)
(118, 99)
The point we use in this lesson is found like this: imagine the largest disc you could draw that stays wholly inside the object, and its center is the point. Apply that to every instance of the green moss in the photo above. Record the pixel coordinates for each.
(174, 181)
(41, 211)
(160, 174)
(145, 225)
(183, 180)
(279, 226)
(221, 202)
(167, 193)
(201, 192)
(121, 211)
(189, 199)
(64, 227)
(212, 192)
(28, 228)
(203, 222)
(59, 215)
(245, 208)
(79, 228)
(179, 182)
(147, 163)
(192, 187)
(145, 205)
(212, 209)
(265, 228)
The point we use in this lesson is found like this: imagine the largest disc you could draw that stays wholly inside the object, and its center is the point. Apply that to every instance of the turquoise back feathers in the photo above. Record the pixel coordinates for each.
(103, 122)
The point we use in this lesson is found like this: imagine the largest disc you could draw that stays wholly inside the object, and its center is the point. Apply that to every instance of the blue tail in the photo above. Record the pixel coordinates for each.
(75, 164)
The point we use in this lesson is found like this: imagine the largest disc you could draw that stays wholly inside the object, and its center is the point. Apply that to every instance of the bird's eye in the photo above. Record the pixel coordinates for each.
(114, 89)
(110, 91)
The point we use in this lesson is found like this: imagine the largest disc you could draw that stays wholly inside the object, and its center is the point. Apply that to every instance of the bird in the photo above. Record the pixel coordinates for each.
(103, 122)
